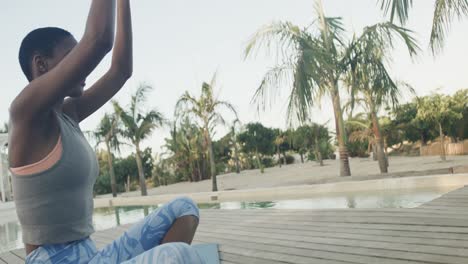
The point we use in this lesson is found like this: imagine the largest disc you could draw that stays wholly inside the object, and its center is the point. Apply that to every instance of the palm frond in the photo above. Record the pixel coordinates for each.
(186, 101)
(366, 58)
(148, 122)
(444, 12)
(398, 9)
(214, 120)
(351, 104)
(362, 136)
(274, 80)
(285, 34)
(381, 36)
(219, 103)
(127, 120)
(300, 100)
(363, 124)
(139, 98)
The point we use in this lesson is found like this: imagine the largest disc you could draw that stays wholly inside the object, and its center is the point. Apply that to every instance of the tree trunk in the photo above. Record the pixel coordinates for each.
(318, 153)
(237, 158)
(385, 142)
(280, 162)
(374, 152)
(423, 140)
(442, 143)
(378, 141)
(370, 149)
(199, 176)
(141, 173)
(260, 166)
(302, 157)
(111, 170)
(341, 134)
(212, 163)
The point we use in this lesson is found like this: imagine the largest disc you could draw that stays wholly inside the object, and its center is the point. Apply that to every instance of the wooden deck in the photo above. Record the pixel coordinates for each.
(436, 232)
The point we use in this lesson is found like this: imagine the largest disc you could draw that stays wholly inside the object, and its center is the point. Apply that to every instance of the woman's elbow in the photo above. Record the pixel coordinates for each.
(105, 44)
(122, 72)
(128, 73)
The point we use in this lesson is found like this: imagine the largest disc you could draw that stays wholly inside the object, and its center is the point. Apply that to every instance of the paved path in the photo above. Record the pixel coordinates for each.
(312, 173)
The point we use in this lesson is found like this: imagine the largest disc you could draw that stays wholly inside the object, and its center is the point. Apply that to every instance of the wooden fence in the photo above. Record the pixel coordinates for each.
(433, 149)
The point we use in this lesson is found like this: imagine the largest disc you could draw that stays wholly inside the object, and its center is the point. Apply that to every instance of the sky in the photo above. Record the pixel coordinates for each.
(179, 44)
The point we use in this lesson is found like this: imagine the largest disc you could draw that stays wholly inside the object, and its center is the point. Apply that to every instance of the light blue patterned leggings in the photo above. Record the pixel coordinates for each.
(139, 244)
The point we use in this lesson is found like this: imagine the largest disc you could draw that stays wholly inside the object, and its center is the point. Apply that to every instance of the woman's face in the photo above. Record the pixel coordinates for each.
(60, 51)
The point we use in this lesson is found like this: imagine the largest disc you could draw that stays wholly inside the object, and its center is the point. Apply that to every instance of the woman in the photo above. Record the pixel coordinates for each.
(53, 166)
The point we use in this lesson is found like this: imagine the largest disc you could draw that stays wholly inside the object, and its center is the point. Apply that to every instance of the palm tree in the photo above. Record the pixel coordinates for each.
(138, 125)
(186, 147)
(234, 142)
(186, 150)
(362, 132)
(369, 81)
(318, 131)
(205, 110)
(444, 12)
(107, 133)
(314, 61)
(279, 140)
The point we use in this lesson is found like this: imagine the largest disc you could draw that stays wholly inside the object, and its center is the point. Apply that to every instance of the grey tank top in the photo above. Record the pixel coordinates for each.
(56, 206)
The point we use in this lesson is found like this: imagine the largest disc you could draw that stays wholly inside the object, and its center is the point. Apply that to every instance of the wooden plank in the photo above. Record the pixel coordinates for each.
(243, 244)
(239, 259)
(458, 226)
(447, 213)
(254, 254)
(399, 216)
(227, 262)
(335, 212)
(348, 212)
(445, 208)
(344, 230)
(452, 197)
(448, 203)
(310, 213)
(311, 224)
(403, 246)
(20, 253)
(301, 249)
(301, 235)
(11, 258)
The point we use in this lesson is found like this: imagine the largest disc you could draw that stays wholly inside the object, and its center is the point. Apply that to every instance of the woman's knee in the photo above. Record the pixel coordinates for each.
(184, 206)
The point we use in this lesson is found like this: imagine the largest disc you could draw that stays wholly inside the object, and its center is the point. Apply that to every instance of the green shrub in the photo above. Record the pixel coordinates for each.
(289, 159)
(268, 162)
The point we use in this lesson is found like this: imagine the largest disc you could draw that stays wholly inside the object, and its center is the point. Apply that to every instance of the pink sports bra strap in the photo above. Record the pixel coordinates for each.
(46, 163)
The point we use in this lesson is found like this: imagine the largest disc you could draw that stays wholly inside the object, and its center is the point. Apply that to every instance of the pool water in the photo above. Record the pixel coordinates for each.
(105, 218)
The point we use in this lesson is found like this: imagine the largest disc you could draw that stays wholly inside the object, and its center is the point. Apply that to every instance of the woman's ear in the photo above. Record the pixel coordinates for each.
(40, 64)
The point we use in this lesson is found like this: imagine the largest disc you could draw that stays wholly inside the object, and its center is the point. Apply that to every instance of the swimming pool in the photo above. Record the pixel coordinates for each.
(104, 218)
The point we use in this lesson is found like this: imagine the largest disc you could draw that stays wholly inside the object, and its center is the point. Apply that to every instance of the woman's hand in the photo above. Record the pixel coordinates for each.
(47, 90)
(120, 71)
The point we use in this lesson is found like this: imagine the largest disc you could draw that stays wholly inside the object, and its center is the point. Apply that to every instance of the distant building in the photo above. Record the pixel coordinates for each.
(5, 177)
